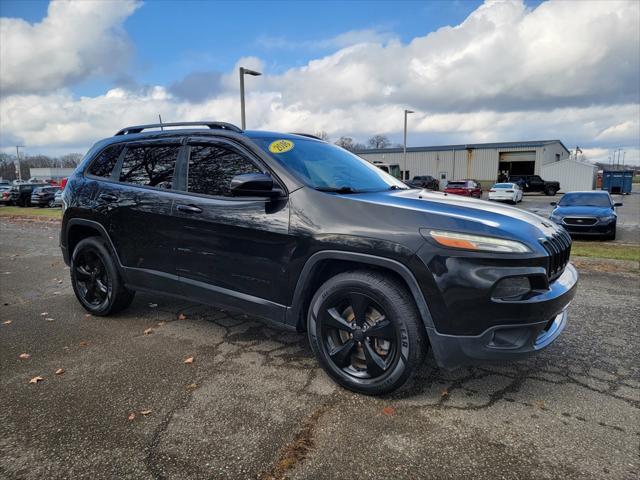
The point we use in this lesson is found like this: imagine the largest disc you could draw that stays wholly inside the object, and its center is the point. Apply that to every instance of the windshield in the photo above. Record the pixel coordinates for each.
(503, 185)
(585, 200)
(327, 167)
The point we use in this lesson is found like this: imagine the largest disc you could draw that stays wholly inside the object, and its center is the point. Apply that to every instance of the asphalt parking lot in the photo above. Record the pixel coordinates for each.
(254, 404)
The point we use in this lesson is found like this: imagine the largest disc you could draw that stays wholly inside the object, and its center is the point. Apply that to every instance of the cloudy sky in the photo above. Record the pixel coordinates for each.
(74, 72)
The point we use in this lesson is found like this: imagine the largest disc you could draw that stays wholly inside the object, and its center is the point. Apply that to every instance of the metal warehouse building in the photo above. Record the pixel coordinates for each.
(484, 161)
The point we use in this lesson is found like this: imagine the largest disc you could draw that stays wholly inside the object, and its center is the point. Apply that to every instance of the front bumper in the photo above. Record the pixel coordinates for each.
(511, 340)
(599, 229)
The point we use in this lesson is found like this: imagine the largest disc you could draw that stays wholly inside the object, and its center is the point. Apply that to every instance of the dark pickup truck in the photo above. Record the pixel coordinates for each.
(533, 183)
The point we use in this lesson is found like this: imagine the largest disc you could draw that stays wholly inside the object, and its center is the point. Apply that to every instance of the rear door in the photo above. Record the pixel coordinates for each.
(137, 204)
(232, 250)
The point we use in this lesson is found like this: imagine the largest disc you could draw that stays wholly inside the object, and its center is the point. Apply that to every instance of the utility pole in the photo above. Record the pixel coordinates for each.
(404, 149)
(18, 159)
(160, 118)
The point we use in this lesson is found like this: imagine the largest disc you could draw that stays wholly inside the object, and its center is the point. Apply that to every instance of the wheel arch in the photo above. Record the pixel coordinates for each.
(324, 264)
(78, 229)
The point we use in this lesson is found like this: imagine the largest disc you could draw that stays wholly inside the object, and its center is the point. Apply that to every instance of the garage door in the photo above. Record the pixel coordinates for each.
(518, 163)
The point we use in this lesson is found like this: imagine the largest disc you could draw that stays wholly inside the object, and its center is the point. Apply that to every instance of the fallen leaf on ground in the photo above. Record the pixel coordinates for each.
(7, 322)
(192, 386)
(24, 356)
(131, 416)
(49, 319)
(56, 293)
(189, 360)
(146, 412)
(389, 411)
(60, 371)
(539, 403)
(161, 323)
(84, 343)
(182, 316)
(148, 331)
(444, 393)
(44, 314)
(36, 379)
(87, 315)
(153, 305)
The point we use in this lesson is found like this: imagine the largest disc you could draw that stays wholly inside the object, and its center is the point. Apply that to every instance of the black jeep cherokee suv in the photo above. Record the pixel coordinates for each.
(303, 233)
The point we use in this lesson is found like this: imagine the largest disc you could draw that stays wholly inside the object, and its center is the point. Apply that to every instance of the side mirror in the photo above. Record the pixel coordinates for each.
(617, 204)
(554, 203)
(253, 185)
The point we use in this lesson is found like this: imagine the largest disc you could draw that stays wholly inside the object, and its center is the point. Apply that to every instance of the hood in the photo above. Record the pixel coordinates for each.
(582, 211)
(439, 210)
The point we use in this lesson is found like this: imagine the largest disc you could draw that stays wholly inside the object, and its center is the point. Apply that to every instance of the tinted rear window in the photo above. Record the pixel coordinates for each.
(457, 184)
(150, 165)
(103, 165)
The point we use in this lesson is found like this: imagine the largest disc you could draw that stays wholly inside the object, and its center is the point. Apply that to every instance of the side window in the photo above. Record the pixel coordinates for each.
(211, 168)
(103, 165)
(150, 165)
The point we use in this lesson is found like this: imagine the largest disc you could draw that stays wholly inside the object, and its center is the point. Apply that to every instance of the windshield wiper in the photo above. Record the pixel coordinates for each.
(336, 189)
(397, 187)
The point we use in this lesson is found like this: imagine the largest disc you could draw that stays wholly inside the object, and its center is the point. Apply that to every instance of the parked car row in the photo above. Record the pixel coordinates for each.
(29, 194)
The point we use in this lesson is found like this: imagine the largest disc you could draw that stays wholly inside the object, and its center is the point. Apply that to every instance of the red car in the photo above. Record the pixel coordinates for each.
(468, 188)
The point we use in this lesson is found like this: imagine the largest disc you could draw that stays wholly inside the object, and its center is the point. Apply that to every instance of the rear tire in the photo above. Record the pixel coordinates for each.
(365, 331)
(550, 192)
(95, 279)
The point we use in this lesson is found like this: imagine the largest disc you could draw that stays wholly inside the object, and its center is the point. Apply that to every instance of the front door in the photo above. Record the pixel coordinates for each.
(232, 250)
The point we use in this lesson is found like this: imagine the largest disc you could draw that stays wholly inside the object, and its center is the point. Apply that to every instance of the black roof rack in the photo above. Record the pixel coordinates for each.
(211, 125)
(306, 135)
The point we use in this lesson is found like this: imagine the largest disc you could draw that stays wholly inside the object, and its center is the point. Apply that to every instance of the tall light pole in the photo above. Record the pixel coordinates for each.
(18, 160)
(243, 72)
(404, 149)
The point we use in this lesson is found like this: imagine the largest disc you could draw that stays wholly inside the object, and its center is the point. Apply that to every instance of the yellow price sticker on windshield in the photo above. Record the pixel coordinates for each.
(280, 146)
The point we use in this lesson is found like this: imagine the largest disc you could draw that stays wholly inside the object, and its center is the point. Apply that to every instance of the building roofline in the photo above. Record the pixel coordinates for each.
(439, 148)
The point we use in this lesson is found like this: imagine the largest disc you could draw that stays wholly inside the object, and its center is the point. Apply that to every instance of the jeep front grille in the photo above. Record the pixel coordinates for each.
(558, 246)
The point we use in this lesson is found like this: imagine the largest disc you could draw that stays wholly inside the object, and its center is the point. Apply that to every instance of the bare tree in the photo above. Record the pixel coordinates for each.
(378, 141)
(322, 135)
(348, 144)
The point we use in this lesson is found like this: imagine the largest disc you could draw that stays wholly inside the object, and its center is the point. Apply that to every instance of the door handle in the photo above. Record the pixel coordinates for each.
(108, 197)
(189, 208)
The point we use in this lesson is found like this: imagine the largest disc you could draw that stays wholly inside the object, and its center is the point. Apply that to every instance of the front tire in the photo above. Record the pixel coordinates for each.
(95, 279)
(365, 331)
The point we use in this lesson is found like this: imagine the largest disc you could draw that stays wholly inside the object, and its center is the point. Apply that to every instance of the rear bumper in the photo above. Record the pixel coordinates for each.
(511, 340)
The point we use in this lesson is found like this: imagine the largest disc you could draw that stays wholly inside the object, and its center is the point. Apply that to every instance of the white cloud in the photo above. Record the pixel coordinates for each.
(74, 41)
(568, 70)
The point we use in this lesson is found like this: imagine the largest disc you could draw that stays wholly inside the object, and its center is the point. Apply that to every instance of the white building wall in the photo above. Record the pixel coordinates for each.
(571, 174)
(479, 163)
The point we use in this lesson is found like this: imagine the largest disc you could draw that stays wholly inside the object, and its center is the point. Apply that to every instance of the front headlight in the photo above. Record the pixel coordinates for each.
(607, 218)
(478, 243)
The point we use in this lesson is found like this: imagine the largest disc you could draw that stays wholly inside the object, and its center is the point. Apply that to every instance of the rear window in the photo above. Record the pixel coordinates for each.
(106, 161)
(457, 184)
(150, 165)
(503, 185)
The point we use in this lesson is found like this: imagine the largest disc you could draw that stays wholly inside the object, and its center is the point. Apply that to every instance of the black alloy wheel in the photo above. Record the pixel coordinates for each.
(365, 331)
(92, 278)
(358, 337)
(96, 280)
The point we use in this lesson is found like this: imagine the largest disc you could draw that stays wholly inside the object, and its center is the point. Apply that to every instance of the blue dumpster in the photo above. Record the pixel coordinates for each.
(617, 181)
